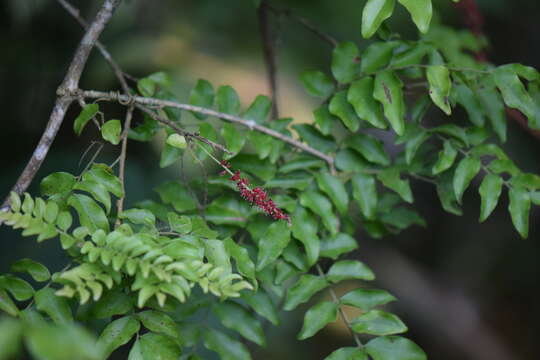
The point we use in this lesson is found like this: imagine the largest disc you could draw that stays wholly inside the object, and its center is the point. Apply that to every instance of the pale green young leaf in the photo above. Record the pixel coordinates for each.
(367, 299)
(227, 347)
(360, 95)
(342, 108)
(365, 193)
(227, 100)
(466, 170)
(235, 317)
(317, 83)
(317, 317)
(394, 348)
(378, 322)
(519, 208)
(38, 271)
(117, 333)
(202, 95)
(87, 113)
(490, 191)
(307, 286)
(177, 141)
(391, 179)
(440, 86)
(345, 62)
(373, 15)
(111, 130)
(349, 269)
(421, 12)
(388, 91)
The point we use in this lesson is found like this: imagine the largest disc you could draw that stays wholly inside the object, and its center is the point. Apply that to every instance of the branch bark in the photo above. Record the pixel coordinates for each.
(70, 83)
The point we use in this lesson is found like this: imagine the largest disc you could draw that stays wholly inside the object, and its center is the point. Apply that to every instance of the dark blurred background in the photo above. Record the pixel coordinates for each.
(467, 290)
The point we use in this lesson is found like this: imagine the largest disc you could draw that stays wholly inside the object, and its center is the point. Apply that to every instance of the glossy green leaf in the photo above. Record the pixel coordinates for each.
(324, 119)
(402, 218)
(259, 109)
(392, 180)
(98, 192)
(139, 216)
(445, 191)
(373, 15)
(104, 175)
(202, 95)
(91, 215)
(412, 146)
(111, 131)
(493, 106)
(421, 12)
(440, 86)
(117, 333)
(159, 322)
(377, 56)
(301, 163)
(378, 322)
(177, 141)
(241, 257)
(56, 307)
(313, 137)
(360, 95)
(334, 246)
(317, 317)
(20, 289)
(317, 83)
(228, 100)
(452, 130)
(152, 346)
(234, 140)
(446, 158)
(38, 271)
(57, 183)
(334, 188)
(322, 207)
(388, 91)
(263, 305)
(490, 191)
(272, 244)
(307, 286)
(347, 353)
(87, 113)
(349, 269)
(519, 208)
(114, 302)
(227, 347)
(394, 348)
(345, 62)
(367, 299)
(180, 224)
(365, 193)
(235, 317)
(370, 147)
(351, 161)
(304, 228)
(469, 100)
(342, 108)
(465, 172)
(411, 56)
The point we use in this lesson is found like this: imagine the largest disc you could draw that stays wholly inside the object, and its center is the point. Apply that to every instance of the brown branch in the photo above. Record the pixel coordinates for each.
(269, 53)
(251, 124)
(122, 164)
(70, 83)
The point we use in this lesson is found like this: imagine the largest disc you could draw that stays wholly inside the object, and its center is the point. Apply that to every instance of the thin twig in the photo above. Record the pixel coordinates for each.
(251, 124)
(268, 43)
(70, 83)
(122, 164)
(344, 316)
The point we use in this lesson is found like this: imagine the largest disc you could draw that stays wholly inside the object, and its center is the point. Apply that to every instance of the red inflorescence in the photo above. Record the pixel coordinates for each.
(257, 196)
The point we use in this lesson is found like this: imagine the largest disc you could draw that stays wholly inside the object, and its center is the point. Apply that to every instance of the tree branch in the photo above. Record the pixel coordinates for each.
(70, 83)
(269, 54)
(251, 124)
(122, 165)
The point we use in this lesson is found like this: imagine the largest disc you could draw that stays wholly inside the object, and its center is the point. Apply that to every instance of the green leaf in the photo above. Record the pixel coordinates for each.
(373, 15)
(345, 62)
(314, 138)
(515, 95)
(469, 100)
(388, 91)
(493, 106)
(262, 304)
(98, 192)
(490, 191)
(202, 95)
(324, 119)
(259, 109)
(118, 333)
(414, 144)
(159, 322)
(227, 100)
(519, 207)
(360, 95)
(180, 224)
(240, 255)
(169, 155)
(322, 207)
(139, 216)
(391, 179)
(307, 286)
(111, 131)
(177, 141)
(446, 159)
(465, 172)
(317, 83)
(57, 183)
(318, 317)
(304, 228)
(11, 335)
(154, 347)
(350, 161)
(454, 131)
(301, 163)
(394, 348)
(7, 305)
(410, 56)
(227, 347)
(103, 175)
(370, 147)
(365, 193)
(366, 299)
(440, 86)
(341, 107)
(234, 140)
(349, 269)
(334, 188)
(91, 215)
(56, 307)
(114, 302)
(421, 12)
(402, 218)
(347, 353)
(235, 317)
(217, 255)
(178, 196)
(272, 244)
(20, 289)
(377, 56)
(87, 113)
(378, 322)
(38, 271)
(334, 246)
(445, 191)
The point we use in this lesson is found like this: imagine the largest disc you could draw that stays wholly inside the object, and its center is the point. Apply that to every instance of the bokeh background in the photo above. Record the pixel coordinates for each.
(467, 291)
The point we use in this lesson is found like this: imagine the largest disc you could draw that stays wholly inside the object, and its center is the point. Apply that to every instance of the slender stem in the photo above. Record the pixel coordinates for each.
(122, 166)
(268, 43)
(342, 313)
(251, 124)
